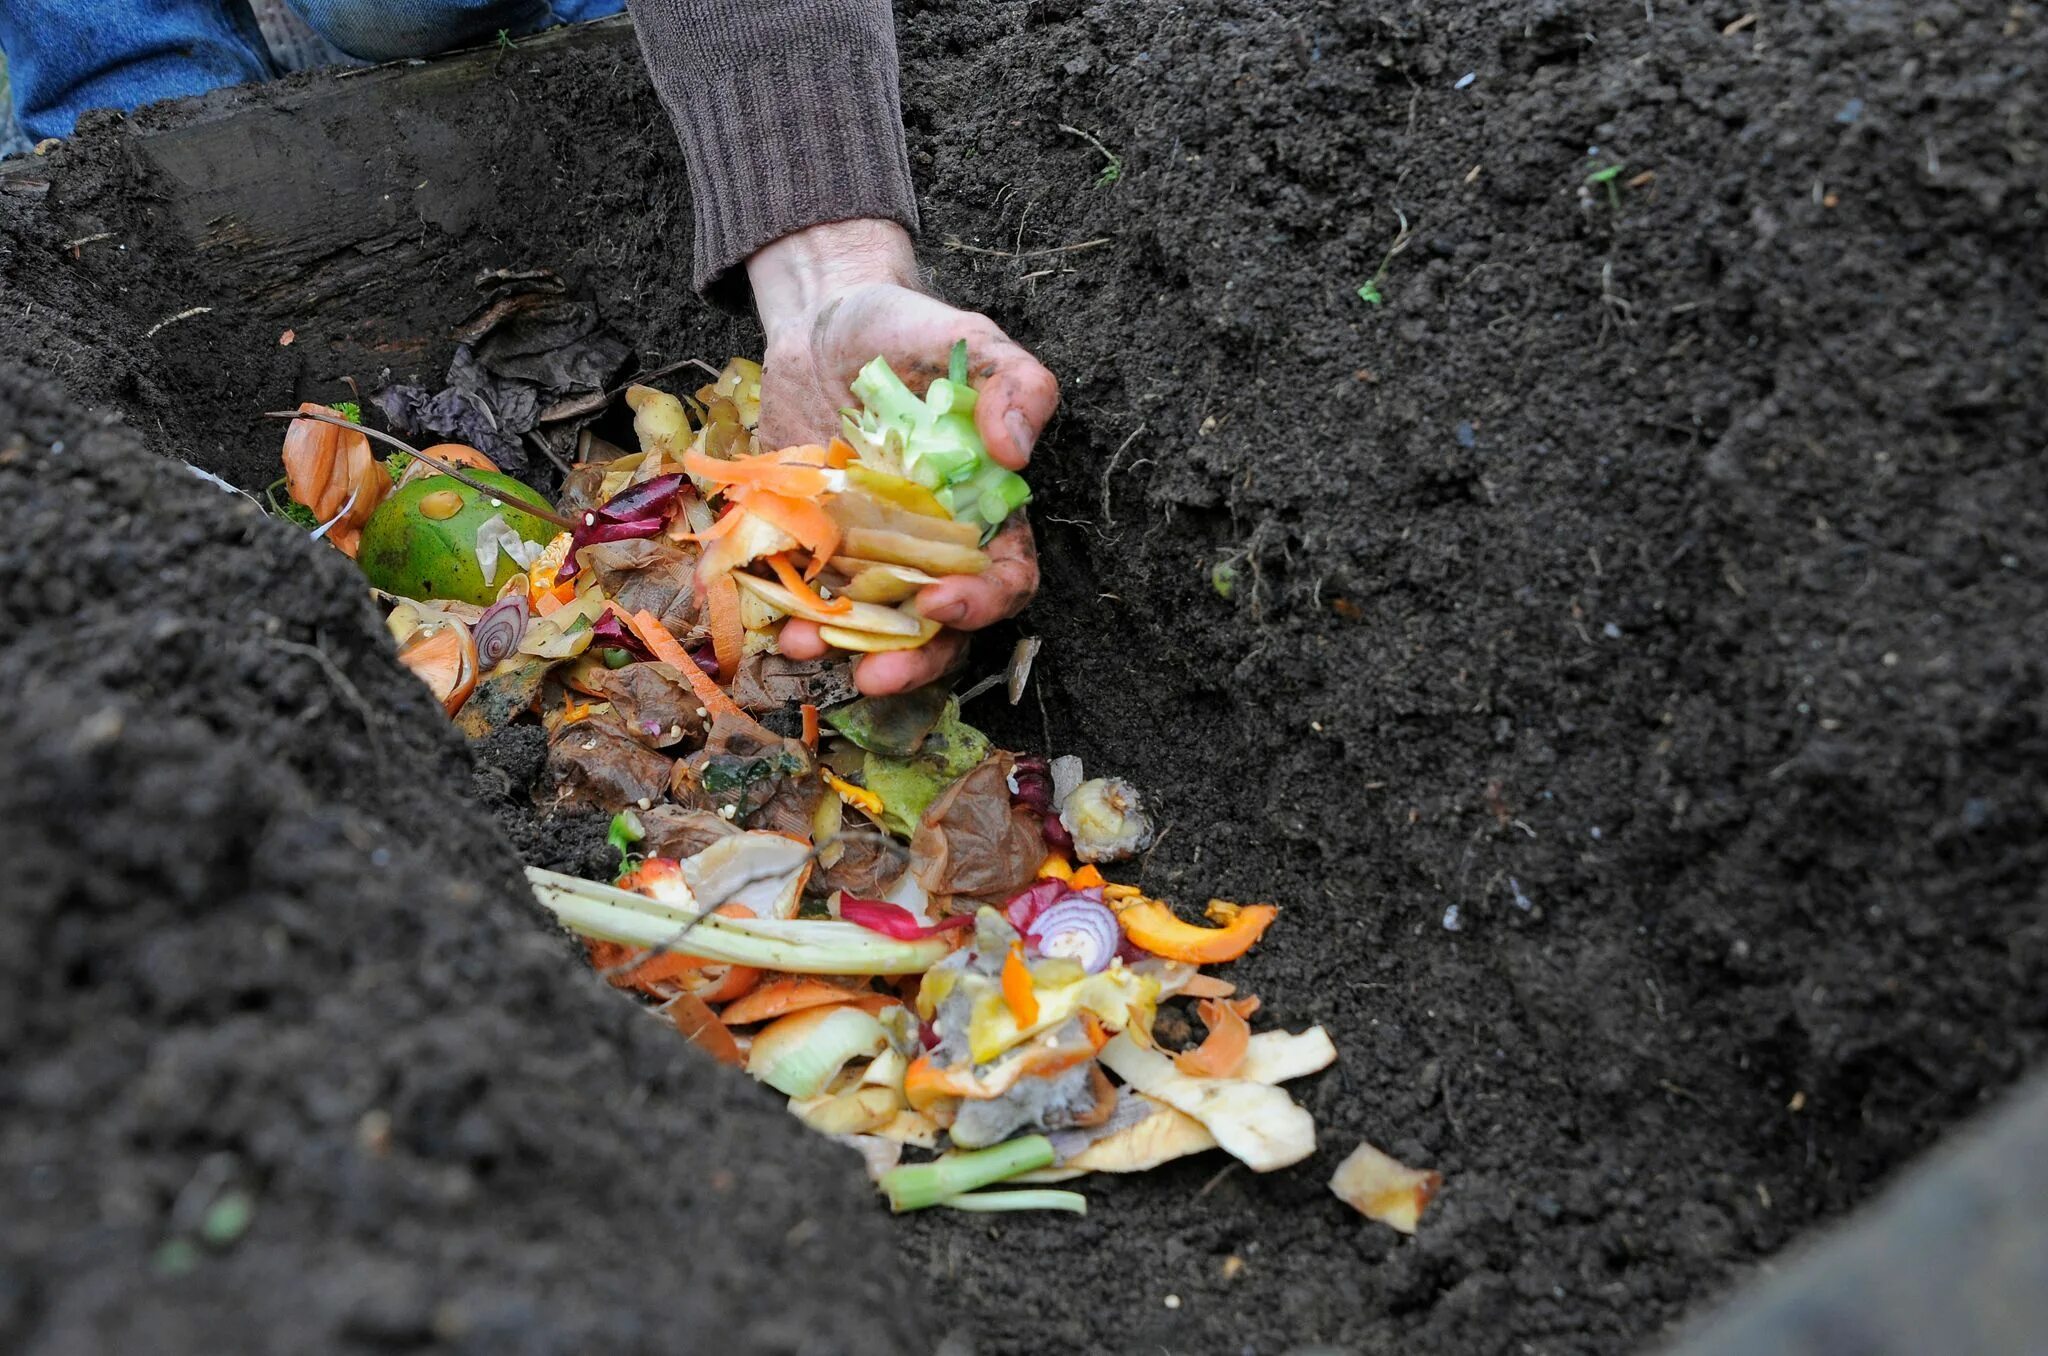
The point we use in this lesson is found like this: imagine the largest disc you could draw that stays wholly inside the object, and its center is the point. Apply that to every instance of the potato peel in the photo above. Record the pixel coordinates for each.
(1383, 1188)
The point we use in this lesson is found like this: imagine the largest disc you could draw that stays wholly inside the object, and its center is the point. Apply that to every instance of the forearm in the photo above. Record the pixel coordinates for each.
(788, 113)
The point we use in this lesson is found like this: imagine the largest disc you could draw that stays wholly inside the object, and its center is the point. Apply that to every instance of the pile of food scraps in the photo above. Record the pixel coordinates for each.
(859, 900)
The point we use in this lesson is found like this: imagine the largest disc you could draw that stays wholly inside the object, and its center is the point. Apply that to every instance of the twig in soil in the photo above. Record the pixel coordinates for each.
(533, 434)
(1618, 305)
(1108, 521)
(348, 689)
(1217, 1180)
(560, 520)
(653, 372)
(954, 242)
(1450, 1112)
(1113, 170)
(73, 245)
(185, 314)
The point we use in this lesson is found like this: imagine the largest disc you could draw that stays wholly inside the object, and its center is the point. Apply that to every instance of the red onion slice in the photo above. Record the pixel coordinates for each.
(1077, 928)
(499, 630)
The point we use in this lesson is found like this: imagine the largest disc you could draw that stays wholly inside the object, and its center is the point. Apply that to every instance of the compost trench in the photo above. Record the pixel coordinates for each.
(1620, 650)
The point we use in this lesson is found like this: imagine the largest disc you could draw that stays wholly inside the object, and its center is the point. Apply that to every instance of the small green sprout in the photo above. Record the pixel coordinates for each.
(349, 410)
(1370, 292)
(1606, 175)
(228, 1218)
(505, 42)
(1223, 579)
(287, 508)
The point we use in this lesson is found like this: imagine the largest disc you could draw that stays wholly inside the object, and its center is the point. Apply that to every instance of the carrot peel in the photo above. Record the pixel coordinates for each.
(695, 1019)
(1152, 926)
(786, 574)
(1017, 991)
(1222, 1053)
(728, 633)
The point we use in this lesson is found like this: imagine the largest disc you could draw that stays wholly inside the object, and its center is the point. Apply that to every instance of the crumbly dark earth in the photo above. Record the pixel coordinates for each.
(1622, 650)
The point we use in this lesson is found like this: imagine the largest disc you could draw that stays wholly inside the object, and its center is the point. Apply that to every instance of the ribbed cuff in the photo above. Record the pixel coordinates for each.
(789, 116)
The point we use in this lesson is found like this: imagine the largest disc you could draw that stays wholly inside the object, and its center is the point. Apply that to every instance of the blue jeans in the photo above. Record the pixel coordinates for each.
(66, 56)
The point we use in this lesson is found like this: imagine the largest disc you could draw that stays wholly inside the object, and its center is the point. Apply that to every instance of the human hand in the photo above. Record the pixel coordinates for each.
(831, 298)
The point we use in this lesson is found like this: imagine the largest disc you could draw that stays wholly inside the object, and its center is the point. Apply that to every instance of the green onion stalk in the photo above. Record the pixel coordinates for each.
(917, 1186)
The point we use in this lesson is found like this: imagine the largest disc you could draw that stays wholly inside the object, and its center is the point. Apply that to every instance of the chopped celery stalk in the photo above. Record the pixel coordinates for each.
(994, 1202)
(933, 441)
(798, 946)
(989, 496)
(916, 1186)
(956, 363)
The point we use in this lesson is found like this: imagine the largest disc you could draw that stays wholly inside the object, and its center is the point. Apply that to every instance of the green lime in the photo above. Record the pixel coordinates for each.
(421, 542)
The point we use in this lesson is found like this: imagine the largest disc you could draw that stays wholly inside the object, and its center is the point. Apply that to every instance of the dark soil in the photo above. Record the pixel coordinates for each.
(1655, 585)
(256, 942)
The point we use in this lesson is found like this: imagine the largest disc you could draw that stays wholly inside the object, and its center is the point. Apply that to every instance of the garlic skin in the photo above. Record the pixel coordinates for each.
(1107, 820)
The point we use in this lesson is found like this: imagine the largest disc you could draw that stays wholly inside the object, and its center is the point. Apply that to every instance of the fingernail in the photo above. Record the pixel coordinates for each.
(947, 613)
(1020, 431)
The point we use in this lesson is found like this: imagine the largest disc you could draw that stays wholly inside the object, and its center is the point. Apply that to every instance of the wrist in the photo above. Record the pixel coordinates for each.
(795, 276)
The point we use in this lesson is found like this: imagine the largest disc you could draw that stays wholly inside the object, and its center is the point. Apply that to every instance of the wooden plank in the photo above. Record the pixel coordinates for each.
(1952, 1260)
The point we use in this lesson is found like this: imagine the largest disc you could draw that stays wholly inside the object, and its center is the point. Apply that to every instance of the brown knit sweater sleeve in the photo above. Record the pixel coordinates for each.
(789, 116)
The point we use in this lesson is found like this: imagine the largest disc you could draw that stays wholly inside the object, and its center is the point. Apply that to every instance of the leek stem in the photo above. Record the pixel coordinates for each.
(795, 946)
(918, 1185)
(994, 1202)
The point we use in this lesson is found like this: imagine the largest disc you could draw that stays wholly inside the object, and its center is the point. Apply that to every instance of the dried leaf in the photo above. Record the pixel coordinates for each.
(908, 786)
(769, 682)
(648, 575)
(973, 842)
(595, 764)
(653, 704)
(673, 831)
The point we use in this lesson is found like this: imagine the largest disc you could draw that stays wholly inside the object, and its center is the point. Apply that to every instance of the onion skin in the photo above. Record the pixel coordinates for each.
(1033, 784)
(1056, 836)
(893, 920)
(633, 513)
(1024, 908)
(649, 499)
(500, 629)
(611, 633)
